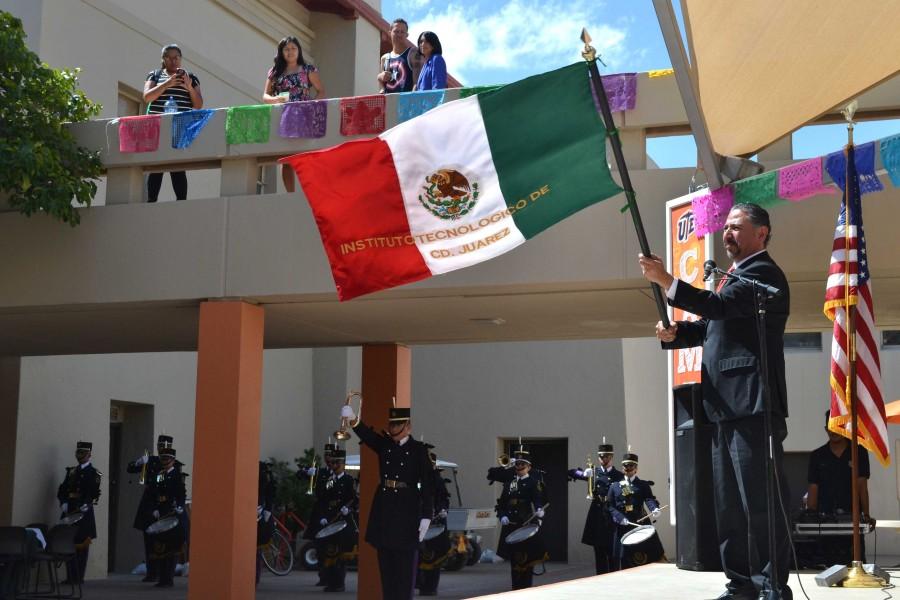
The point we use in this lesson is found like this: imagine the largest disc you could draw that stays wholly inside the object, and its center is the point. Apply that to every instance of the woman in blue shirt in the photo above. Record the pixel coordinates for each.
(433, 75)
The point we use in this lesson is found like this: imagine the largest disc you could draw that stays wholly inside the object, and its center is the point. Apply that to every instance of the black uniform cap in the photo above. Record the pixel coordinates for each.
(339, 455)
(164, 441)
(168, 451)
(522, 454)
(630, 457)
(330, 449)
(398, 414)
(605, 449)
(83, 446)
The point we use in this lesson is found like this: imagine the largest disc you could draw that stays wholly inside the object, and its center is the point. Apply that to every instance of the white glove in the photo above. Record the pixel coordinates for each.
(589, 472)
(626, 522)
(141, 461)
(83, 508)
(156, 514)
(424, 524)
(323, 522)
(347, 412)
(267, 514)
(539, 513)
(345, 511)
(443, 514)
(179, 510)
(504, 520)
(655, 513)
(310, 471)
(64, 507)
(258, 510)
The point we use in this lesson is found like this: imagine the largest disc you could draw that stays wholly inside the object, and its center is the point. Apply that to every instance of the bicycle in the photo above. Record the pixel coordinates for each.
(278, 555)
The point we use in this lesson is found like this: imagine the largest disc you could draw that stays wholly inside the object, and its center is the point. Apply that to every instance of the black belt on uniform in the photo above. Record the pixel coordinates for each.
(394, 484)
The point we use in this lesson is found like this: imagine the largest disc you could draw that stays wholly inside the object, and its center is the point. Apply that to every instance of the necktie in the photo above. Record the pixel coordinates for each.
(723, 280)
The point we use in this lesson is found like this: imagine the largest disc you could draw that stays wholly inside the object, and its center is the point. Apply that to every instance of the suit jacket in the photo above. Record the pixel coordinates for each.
(406, 493)
(732, 385)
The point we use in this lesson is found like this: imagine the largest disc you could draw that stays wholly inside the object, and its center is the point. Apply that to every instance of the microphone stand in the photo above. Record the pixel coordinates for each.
(761, 294)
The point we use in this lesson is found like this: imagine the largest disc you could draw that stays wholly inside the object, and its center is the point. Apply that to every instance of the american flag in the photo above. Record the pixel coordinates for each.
(848, 284)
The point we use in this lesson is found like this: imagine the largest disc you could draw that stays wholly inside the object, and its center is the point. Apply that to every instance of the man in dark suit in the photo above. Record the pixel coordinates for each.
(733, 397)
(403, 505)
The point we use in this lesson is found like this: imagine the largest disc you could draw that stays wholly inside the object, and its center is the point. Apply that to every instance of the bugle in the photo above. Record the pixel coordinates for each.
(312, 478)
(589, 464)
(144, 467)
(342, 433)
(503, 461)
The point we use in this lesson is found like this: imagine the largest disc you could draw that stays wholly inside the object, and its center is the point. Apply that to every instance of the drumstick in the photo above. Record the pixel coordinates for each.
(645, 517)
(534, 514)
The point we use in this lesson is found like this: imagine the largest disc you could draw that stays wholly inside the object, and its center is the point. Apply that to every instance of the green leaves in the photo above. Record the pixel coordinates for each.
(42, 168)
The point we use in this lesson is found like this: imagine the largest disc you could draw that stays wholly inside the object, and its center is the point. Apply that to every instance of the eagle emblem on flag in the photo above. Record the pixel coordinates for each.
(448, 195)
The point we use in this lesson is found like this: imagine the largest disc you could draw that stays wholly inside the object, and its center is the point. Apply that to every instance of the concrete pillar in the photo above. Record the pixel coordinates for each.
(226, 451)
(239, 176)
(10, 368)
(124, 185)
(386, 373)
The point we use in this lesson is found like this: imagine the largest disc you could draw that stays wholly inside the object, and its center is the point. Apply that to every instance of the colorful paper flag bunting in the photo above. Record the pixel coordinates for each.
(711, 210)
(303, 119)
(139, 134)
(802, 180)
(248, 124)
(864, 161)
(186, 126)
(362, 115)
(412, 104)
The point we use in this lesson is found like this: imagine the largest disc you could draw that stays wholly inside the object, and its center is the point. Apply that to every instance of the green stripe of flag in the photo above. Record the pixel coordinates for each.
(548, 144)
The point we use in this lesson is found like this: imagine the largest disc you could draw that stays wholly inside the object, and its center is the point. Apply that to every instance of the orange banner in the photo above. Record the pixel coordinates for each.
(688, 255)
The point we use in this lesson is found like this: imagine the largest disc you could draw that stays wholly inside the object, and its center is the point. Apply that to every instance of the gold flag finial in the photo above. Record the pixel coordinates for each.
(589, 54)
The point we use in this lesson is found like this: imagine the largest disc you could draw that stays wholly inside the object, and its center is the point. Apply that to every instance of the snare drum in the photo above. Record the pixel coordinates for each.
(71, 519)
(163, 525)
(640, 546)
(526, 532)
(434, 531)
(331, 529)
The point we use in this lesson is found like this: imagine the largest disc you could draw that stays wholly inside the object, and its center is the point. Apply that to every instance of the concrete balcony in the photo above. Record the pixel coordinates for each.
(131, 276)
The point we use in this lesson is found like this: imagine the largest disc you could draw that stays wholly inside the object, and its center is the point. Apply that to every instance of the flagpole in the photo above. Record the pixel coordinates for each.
(857, 576)
(590, 55)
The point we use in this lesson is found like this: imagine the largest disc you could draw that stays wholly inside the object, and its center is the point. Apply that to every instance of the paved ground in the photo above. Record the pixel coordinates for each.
(562, 582)
(473, 581)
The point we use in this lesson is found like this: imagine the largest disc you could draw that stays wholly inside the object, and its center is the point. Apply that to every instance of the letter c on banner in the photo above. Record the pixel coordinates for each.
(687, 266)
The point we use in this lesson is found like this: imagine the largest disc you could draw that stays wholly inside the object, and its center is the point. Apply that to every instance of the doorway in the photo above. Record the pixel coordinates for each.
(130, 434)
(551, 456)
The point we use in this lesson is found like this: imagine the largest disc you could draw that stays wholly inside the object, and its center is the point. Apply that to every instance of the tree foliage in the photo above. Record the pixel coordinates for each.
(42, 168)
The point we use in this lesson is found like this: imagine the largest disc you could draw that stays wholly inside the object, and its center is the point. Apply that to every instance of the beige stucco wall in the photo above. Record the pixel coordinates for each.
(67, 398)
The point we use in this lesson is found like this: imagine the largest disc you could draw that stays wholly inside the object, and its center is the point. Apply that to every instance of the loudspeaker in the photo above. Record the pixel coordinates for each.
(696, 544)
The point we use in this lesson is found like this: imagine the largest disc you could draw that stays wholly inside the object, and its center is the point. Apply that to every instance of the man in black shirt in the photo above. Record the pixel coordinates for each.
(830, 491)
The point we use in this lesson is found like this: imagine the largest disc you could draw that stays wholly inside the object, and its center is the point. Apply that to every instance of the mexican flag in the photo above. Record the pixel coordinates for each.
(461, 184)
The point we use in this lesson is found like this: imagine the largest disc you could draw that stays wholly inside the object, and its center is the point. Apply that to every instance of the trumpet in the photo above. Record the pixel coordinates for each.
(144, 467)
(589, 464)
(312, 479)
(503, 461)
(342, 433)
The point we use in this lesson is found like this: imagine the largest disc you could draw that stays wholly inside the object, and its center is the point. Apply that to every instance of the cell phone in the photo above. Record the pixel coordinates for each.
(180, 71)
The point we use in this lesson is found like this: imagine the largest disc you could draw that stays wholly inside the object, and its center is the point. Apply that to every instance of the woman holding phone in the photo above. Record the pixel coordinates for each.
(291, 79)
(170, 82)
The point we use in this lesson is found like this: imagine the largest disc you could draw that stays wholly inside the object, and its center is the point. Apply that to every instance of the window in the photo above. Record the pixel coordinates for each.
(803, 341)
(890, 339)
(131, 102)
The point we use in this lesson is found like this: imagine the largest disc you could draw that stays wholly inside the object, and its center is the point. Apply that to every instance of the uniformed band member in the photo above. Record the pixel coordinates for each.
(149, 466)
(321, 473)
(627, 498)
(522, 497)
(403, 504)
(78, 493)
(265, 525)
(337, 502)
(830, 478)
(599, 529)
(434, 552)
(169, 496)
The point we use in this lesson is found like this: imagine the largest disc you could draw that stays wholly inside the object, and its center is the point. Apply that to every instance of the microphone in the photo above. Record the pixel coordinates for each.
(709, 267)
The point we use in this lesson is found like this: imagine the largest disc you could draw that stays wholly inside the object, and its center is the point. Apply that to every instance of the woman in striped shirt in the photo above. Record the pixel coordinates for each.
(170, 81)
